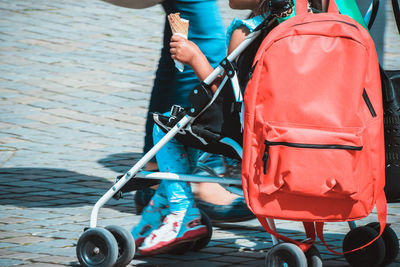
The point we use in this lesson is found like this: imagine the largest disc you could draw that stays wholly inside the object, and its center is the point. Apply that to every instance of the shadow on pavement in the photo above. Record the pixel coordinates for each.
(54, 188)
(58, 188)
(120, 162)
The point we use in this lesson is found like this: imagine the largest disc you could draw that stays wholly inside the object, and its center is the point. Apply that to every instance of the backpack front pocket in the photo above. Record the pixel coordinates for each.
(312, 162)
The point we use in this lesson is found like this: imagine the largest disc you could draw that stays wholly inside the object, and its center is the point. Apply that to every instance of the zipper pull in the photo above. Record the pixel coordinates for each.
(265, 158)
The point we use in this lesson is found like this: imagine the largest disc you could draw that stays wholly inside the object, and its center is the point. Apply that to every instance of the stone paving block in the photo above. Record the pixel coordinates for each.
(33, 248)
(202, 263)
(336, 263)
(60, 243)
(230, 259)
(14, 220)
(260, 263)
(153, 262)
(20, 189)
(247, 254)
(20, 121)
(37, 230)
(67, 226)
(31, 183)
(8, 246)
(10, 234)
(248, 244)
(40, 264)
(68, 234)
(19, 255)
(10, 262)
(188, 256)
(58, 202)
(26, 240)
(38, 214)
(33, 204)
(55, 259)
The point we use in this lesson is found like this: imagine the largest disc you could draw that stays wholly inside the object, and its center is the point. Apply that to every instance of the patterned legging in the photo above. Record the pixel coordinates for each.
(175, 158)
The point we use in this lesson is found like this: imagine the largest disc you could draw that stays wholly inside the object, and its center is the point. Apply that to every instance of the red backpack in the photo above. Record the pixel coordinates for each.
(313, 126)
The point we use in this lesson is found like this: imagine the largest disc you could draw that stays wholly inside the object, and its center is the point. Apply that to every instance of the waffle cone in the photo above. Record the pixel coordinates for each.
(178, 25)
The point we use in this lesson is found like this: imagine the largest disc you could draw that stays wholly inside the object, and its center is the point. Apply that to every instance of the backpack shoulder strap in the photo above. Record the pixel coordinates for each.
(381, 208)
(304, 246)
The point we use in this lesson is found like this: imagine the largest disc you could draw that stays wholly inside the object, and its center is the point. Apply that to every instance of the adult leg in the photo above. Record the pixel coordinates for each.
(162, 94)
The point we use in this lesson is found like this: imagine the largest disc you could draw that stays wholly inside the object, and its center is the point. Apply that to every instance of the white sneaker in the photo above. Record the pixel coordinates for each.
(176, 228)
(152, 217)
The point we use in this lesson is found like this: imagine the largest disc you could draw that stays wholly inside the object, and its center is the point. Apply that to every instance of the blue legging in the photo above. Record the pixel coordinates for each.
(175, 158)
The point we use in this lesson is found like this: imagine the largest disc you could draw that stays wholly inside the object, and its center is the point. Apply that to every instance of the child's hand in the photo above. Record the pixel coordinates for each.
(183, 50)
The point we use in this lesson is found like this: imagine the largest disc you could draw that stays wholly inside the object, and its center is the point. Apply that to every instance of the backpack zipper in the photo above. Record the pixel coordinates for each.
(328, 20)
(368, 103)
(267, 143)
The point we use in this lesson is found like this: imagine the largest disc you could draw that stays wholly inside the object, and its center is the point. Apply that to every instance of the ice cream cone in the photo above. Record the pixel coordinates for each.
(178, 25)
(181, 27)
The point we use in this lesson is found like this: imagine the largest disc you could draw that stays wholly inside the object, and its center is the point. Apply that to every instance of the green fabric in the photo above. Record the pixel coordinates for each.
(346, 7)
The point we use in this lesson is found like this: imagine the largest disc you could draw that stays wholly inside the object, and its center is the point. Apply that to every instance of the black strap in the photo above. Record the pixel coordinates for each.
(228, 67)
(199, 97)
(396, 11)
(375, 7)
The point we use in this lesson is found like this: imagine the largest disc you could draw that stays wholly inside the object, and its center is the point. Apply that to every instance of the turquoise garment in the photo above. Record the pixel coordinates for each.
(207, 31)
(346, 7)
(174, 157)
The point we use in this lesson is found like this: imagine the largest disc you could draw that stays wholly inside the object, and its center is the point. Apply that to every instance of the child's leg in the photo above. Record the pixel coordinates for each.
(152, 216)
(183, 221)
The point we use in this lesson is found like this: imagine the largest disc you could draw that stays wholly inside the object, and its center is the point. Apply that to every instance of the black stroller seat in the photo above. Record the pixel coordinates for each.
(217, 130)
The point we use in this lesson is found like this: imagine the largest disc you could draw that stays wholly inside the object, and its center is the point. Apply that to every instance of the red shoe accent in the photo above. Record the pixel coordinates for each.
(139, 241)
(164, 246)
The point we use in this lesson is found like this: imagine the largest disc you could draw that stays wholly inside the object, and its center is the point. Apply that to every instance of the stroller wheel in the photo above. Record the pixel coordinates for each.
(126, 245)
(313, 257)
(369, 256)
(97, 247)
(285, 254)
(202, 242)
(391, 242)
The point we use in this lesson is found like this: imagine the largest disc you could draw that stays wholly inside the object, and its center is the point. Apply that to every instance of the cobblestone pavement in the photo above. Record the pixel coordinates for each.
(75, 78)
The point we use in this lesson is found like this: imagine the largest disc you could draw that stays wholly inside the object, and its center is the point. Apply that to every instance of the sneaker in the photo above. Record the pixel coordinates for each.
(152, 217)
(176, 228)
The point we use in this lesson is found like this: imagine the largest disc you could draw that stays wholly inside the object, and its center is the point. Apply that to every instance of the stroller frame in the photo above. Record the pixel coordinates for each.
(136, 172)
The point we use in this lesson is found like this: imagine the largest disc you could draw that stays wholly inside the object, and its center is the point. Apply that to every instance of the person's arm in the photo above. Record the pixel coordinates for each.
(189, 53)
(237, 38)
